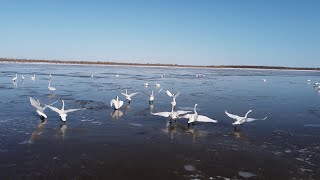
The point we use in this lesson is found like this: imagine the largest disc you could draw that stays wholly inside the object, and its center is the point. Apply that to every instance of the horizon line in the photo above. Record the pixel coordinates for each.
(83, 62)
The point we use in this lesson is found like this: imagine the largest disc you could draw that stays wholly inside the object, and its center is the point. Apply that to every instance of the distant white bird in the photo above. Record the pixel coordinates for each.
(117, 75)
(52, 89)
(157, 84)
(15, 78)
(116, 102)
(174, 96)
(309, 80)
(241, 120)
(199, 75)
(172, 114)
(91, 75)
(22, 77)
(196, 117)
(62, 113)
(151, 97)
(128, 96)
(264, 80)
(145, 84)
(39, 109)
(50, 76)
(33, 77)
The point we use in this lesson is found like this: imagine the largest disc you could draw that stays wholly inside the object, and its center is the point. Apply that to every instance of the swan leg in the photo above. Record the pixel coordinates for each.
(235, 128)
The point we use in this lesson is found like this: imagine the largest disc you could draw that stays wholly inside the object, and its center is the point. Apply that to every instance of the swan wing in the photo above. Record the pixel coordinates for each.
(132, 94)
(72, 110)
(50, 104)
(54, 109)
(187, 116)
(233, 116)
(34, 103)
(126, 95)
(205, 119)
(120, 104)
(178, 93)
(163, 114)
(113, 101)
(169, 93)
(182, 112)
(252, 119)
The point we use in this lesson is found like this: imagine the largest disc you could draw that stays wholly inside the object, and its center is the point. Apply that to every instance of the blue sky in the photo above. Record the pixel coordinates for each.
(225, 32)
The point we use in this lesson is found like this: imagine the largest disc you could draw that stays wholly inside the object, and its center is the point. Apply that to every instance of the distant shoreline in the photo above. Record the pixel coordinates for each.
(33, 61)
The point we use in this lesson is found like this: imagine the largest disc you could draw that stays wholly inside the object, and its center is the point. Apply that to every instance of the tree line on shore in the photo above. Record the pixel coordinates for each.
(4, 60)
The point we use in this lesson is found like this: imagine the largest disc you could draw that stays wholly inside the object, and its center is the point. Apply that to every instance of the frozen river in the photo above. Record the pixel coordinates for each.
(100, 143)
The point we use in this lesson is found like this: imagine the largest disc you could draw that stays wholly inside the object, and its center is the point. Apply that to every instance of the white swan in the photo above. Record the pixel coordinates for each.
(33, 77)
(145, 84)
(264, 80)
(39, 109)
(22, 77)
(62, 113)
(241, 120)
(50, 76)
(116, 102)
(128, 96)
(117, 75)
(196, 117)
(172, 114)
(52, 89)
(157, 84)
(15, 78)
(174, 96)
(151, 97)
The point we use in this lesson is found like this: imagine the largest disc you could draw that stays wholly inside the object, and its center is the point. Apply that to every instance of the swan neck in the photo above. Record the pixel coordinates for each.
(62, 105)
(247, 114)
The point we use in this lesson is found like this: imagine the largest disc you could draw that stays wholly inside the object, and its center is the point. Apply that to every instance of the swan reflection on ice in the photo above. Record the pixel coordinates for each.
(38, 131)
(116, 114)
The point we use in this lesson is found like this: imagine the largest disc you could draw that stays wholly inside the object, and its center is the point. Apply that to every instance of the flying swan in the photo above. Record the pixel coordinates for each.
(116, 102)
(172, 114)
(241, 120)
(63, 113)
(39, 109)
(174, 96)
(196, 117)
(128, 96)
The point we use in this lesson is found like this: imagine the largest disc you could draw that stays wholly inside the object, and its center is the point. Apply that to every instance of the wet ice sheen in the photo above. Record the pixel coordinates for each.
(288, 141)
